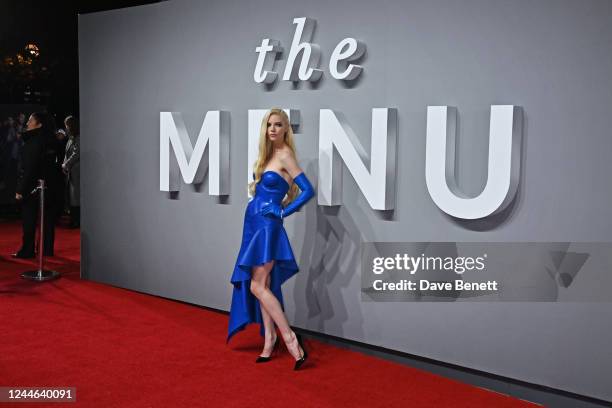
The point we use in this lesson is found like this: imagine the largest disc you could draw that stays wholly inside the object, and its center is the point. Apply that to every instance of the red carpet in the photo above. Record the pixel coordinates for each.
(124, 349)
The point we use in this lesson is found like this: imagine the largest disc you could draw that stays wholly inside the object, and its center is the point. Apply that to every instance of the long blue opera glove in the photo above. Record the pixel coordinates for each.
(307, 192)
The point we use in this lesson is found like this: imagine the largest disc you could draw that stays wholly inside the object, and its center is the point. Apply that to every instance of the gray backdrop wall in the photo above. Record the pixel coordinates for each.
(551, 57)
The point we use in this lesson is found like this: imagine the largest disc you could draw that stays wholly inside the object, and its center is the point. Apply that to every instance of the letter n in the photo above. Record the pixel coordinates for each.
(338, 143)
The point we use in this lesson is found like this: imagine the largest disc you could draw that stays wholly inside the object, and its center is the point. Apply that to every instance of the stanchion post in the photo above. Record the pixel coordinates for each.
(41, 274)
(41, 228)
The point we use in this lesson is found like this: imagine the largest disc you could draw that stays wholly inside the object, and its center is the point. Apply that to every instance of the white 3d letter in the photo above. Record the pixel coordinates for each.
(304, 28)
(505, 133)
(214, 129)
(354, 50)
(336, 140)
(265, 61)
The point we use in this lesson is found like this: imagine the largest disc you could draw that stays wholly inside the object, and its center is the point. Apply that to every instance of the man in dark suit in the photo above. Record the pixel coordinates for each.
(38, 161)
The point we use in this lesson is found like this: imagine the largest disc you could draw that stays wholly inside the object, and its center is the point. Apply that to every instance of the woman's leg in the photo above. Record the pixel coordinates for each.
(273, 308)
(269, 329)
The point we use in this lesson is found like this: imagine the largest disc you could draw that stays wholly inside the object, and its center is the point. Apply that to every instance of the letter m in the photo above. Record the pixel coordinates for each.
(213, 135)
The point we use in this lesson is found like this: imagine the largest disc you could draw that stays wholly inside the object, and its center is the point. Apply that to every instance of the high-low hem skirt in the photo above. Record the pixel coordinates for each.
(263, 239)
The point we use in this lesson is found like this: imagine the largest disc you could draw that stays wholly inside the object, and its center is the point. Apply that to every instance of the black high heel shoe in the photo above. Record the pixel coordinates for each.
(262, 359)
(302, 360)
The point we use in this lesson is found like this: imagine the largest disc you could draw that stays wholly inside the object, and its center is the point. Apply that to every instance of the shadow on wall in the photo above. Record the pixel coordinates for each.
(331, 253)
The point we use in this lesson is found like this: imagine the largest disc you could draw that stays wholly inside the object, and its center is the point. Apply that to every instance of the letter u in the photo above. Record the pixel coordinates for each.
(505, 134)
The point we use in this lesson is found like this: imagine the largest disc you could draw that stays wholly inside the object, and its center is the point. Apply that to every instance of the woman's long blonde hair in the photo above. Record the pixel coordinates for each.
(266, 149)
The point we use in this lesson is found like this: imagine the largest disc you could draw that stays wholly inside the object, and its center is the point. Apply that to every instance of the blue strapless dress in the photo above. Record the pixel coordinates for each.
(263, 239)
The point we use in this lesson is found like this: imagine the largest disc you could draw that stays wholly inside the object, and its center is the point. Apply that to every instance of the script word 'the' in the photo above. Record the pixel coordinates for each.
(349, 49)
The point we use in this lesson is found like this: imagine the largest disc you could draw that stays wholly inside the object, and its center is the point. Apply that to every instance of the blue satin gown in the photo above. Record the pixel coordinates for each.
(263, 239)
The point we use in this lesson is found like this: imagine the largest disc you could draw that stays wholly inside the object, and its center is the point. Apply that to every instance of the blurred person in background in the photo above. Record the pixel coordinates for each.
(5, 150)
(71, 167)
(62, 140)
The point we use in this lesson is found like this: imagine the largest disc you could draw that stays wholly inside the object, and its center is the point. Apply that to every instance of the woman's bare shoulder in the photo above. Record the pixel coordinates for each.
(289, 162)
(286, 155)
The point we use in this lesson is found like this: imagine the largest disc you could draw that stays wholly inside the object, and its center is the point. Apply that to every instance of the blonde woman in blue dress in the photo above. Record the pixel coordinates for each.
(265, 259)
